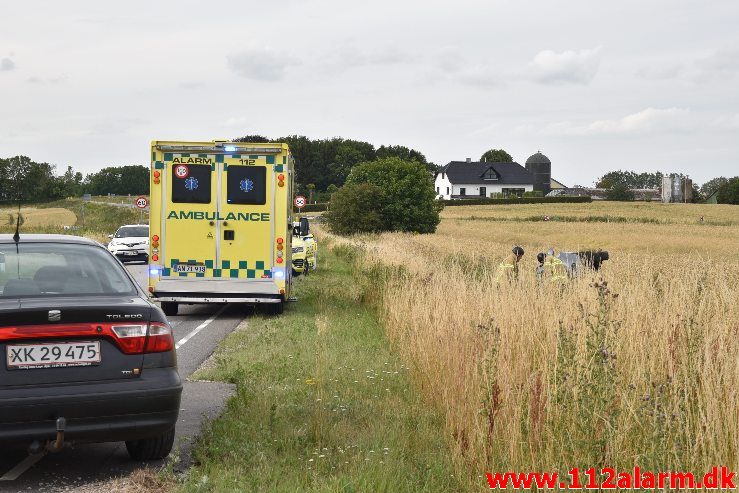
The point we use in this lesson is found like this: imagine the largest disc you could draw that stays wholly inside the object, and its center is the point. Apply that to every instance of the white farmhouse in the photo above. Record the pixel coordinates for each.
(467, 180)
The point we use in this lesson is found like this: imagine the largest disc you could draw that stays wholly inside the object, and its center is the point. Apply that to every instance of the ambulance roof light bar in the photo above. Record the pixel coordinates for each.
(220, 148)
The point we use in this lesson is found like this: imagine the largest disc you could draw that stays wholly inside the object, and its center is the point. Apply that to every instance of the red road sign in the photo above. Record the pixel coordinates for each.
(299, 201)
(141, 202)
(181, 171)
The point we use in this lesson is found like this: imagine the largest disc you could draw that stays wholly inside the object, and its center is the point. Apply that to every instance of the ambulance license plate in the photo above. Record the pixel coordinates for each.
(199, 269)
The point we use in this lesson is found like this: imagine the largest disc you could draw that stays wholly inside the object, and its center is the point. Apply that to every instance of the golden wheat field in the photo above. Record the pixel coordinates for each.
(32, 217)
(637, 364)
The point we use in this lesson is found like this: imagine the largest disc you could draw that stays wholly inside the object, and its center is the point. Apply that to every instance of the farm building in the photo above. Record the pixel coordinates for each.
(468, 179)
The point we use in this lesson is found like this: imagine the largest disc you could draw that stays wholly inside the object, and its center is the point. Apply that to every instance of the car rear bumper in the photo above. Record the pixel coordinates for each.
(98, 412)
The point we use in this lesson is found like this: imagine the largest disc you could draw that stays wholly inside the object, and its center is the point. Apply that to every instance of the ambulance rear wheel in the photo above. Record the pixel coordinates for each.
(275, 308)
(169, 308)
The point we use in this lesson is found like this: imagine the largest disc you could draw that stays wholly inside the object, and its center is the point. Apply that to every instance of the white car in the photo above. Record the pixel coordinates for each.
(130, 243)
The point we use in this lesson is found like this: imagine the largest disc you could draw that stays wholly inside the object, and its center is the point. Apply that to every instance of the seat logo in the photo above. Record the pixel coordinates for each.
(55, 315)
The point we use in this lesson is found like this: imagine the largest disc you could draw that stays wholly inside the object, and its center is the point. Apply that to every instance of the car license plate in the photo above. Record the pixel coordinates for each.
(131, 253)
(53, 355)
(200, 269)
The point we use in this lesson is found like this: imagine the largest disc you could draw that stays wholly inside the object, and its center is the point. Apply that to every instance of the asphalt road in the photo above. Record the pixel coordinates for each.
(86, 464)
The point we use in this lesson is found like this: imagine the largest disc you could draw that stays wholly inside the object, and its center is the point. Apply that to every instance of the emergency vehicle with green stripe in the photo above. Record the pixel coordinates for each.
(220, 223)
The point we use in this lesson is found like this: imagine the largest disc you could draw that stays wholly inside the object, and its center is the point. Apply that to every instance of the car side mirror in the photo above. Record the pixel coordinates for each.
(110, 236)
(304, 226)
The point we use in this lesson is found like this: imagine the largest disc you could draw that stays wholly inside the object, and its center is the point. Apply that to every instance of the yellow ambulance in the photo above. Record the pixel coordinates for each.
(220, 224)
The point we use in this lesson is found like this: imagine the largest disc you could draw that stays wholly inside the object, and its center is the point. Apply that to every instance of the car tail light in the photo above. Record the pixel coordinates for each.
(160, 338)
(132, 339)
(155, 337)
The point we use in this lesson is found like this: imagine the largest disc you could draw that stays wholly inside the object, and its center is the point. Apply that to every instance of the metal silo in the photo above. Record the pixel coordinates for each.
(541, 167)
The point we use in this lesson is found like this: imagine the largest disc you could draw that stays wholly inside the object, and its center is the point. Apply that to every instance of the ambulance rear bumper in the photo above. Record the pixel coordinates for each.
(217, 291)
(216, 299)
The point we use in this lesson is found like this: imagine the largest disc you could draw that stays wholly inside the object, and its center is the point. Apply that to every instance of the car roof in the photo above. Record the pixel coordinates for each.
(48, 238)
(133, 226)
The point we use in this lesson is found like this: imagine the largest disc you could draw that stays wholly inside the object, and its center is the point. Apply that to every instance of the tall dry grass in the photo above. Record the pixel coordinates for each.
(635, 365)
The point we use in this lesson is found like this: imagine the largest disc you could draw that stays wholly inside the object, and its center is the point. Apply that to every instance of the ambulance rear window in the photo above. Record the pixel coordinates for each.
(194, 187)
(247, 185)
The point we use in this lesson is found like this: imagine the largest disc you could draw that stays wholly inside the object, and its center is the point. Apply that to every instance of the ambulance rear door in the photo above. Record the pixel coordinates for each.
(246, 212)
(189, 208)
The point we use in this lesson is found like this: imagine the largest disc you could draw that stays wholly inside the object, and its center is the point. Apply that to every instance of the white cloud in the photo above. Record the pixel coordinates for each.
(261, 63)
(349, 57)
(567, 67)
(645, 121)
(722, 63)
(6, 65)
(660, 72)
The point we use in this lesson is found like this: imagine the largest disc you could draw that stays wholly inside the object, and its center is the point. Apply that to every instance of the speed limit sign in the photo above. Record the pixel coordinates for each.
(141, 202)
(299, 201)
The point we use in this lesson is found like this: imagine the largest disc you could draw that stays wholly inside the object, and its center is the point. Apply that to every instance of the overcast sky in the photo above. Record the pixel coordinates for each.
(596, 85)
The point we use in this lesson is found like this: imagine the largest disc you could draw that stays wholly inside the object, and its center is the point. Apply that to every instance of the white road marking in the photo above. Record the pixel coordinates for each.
(22, 467)
(200, 327)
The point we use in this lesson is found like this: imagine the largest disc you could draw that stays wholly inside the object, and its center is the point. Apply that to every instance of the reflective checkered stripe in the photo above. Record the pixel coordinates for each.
(229, 269)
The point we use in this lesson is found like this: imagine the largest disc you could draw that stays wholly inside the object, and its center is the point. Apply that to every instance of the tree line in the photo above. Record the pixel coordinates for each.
(323, 165)
(23, 179)
(621, 183)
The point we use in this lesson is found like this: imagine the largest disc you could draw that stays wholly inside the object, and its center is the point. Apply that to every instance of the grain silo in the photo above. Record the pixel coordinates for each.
(541, 167)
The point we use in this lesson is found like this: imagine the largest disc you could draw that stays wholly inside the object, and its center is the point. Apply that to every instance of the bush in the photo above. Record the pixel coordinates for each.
(312, 208)
(729, 192)
(580, 199)
(356, 208)
(403, 196)
(619, 192)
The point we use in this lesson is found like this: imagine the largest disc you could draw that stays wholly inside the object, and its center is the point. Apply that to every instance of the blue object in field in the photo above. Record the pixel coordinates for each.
(191, 183)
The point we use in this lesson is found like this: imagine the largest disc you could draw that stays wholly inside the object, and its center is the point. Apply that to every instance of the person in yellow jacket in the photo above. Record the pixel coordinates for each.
(508, 269)
(554, 268)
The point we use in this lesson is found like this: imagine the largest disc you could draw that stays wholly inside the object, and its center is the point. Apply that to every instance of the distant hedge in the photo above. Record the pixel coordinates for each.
(524, 200)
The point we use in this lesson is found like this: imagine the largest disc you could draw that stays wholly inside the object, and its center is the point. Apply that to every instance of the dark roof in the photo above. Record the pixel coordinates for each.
(538, 158)
(37, 238)
(472, 173)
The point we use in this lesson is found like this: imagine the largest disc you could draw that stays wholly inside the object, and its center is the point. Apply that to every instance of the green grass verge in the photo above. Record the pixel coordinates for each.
(322, 404)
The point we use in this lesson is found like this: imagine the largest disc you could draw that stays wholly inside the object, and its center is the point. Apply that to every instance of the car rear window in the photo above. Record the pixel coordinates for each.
(54, 269)
(132, 232)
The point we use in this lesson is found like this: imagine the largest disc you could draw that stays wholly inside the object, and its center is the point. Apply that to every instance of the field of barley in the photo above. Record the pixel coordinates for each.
(634, 365)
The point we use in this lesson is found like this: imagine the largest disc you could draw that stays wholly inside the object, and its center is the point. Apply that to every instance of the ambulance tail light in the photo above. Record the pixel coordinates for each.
(278, 273)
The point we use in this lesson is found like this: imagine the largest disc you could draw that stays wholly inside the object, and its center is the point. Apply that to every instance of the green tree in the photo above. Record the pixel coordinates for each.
(729, 192)
(407, 194)
(311, 187)
(496, 156)
(356, 208)
(630, 179)
(120, 180)
(709, 187)
(619, 191)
